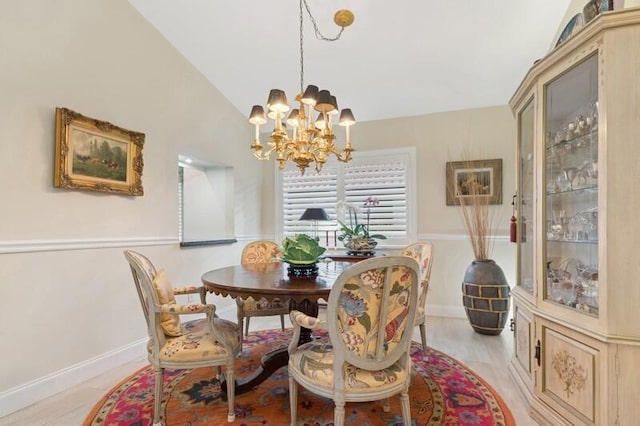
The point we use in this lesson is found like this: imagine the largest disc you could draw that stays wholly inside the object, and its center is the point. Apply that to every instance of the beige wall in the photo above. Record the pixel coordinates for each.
(67, 290)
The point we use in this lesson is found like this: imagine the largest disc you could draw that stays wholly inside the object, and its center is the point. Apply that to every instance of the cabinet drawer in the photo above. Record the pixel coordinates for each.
(570, 373)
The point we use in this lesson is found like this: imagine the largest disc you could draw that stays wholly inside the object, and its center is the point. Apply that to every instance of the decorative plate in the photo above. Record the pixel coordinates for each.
(605, 5)
(571, 28)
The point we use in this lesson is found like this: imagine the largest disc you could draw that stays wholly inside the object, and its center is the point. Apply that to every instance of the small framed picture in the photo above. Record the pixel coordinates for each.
(466, 179)
(96, 155)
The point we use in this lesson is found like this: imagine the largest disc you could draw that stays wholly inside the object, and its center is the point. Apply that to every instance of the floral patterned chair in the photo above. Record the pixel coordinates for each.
(261, 251)
(422, 252)
(370, 315)
(208, 342)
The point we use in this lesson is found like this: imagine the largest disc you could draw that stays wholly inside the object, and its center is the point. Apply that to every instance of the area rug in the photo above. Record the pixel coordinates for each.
(443, 392)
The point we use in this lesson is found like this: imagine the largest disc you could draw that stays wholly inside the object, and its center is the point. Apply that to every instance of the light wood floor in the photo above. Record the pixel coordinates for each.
(488, 356)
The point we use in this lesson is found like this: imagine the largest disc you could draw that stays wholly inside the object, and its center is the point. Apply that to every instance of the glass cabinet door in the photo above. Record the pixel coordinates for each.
(524, 199)
(571, 178)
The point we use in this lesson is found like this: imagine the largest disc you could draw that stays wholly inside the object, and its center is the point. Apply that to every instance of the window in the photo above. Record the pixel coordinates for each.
(388, 175)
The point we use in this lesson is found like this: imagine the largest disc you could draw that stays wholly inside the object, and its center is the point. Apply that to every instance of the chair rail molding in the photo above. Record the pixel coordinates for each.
(457, 237)
(32, 246)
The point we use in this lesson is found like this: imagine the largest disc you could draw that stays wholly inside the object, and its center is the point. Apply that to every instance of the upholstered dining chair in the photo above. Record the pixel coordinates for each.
(422, 252)
(261, 251)
(207, 342)
(370, 315)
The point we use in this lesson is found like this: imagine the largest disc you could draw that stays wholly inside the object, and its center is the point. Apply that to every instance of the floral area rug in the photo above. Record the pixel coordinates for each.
(443, 392)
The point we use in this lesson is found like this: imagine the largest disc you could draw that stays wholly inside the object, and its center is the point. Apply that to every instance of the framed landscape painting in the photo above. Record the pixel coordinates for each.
(474, 177)
(96, 155)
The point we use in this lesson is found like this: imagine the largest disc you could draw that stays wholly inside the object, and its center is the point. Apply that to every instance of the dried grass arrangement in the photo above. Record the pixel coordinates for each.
(477, 217)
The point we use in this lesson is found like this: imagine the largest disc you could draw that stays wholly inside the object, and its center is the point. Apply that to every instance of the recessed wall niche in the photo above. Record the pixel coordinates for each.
(205, 195)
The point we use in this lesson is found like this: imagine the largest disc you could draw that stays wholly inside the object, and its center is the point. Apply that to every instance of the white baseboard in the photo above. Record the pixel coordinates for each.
(29, 393)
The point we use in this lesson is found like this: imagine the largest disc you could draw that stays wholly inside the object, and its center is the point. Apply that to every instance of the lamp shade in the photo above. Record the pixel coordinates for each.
(277, 101)
(320, 123)
(324, 101)
(292, 120)
(310, 95)
(335, 109)
(314, 214)
(257, 115)
(346, 118)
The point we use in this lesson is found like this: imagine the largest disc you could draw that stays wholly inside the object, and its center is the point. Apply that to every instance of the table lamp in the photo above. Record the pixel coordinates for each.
(314, 214)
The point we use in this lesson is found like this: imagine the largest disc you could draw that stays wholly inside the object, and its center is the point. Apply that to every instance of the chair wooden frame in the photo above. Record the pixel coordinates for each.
(422, 252)
(384, 354)
(249, 308)
(143, 273)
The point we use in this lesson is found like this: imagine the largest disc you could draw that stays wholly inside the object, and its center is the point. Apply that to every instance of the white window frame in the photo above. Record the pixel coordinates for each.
(407, 155)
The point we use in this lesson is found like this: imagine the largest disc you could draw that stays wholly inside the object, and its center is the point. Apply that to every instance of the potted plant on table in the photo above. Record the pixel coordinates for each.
(356, 236)
(302, 253)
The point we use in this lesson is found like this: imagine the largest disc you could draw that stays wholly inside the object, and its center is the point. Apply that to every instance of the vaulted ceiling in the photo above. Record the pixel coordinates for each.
(399, 58)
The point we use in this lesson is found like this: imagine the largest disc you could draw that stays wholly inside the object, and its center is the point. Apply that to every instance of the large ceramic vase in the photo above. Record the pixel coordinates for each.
(486, 297)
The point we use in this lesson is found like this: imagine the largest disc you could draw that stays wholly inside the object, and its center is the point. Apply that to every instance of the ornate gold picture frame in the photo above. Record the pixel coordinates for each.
(485, 175)
(96, 155)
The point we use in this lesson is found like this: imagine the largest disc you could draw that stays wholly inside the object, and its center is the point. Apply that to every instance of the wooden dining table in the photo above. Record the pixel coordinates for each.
(271, 281)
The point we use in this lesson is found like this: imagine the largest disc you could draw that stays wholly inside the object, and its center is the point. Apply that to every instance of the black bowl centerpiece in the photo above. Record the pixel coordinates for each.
(302, 253)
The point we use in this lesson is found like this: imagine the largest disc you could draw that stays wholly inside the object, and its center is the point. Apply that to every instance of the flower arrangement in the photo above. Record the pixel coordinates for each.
(356, 229)
(476, 215)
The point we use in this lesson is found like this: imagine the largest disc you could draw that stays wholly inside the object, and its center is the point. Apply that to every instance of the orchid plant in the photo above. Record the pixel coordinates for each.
(355, 229)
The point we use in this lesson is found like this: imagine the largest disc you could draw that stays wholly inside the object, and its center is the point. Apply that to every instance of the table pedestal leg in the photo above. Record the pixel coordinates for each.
(275, 359)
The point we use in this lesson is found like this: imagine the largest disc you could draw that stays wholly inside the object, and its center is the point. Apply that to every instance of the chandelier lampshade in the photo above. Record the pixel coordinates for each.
(310, 140)
(310, 95)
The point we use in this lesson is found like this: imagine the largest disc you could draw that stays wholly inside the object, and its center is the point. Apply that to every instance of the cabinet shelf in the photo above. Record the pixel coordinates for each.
(579, 141)
(591, 311)
(564, 241)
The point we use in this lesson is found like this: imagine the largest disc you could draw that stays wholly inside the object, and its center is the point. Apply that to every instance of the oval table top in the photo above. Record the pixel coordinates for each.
(270, 280)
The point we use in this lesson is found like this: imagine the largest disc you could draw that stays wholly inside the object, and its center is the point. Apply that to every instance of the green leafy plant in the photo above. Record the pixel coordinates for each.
(355, 229)
(301, 249)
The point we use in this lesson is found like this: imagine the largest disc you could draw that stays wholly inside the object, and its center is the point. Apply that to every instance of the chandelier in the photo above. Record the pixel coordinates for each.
(311, 139)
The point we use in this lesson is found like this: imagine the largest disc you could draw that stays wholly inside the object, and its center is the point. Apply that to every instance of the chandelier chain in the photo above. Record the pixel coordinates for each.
(318, 34)
(301, 51)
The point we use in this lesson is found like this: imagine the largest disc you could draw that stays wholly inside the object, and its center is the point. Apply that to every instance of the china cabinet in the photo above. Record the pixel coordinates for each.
(577, 297)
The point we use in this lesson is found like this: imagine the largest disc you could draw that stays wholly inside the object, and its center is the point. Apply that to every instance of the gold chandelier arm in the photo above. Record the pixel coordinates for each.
(345, 157)
(259, 153)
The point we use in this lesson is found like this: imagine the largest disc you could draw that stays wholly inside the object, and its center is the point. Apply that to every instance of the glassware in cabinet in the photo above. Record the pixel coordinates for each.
(571, 179)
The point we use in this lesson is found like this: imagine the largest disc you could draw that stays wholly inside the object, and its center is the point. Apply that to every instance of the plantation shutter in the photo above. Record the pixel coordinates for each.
(317, 190)
(386, 181)
(388, 175)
